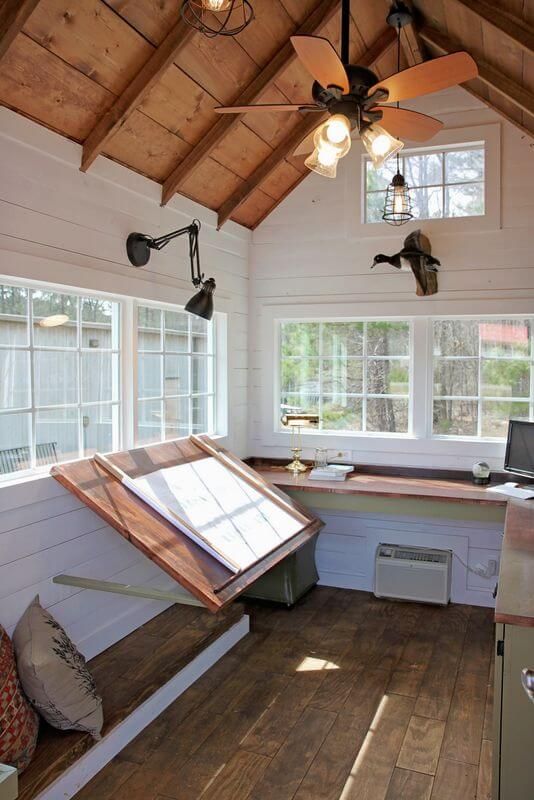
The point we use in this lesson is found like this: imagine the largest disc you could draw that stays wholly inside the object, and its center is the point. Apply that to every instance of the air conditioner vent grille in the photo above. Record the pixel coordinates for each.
(430, 558)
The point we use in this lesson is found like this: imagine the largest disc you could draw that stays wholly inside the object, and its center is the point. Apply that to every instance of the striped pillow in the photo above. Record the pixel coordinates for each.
(19, 724)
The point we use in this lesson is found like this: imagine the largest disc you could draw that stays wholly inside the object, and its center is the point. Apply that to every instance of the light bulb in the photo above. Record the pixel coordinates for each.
(326, 155)
(216, 5)
(380, 144)
(323, 161)
(399, 201)
(337, 129)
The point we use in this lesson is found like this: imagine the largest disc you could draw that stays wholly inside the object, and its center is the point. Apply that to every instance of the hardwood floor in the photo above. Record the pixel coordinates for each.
(344, 697)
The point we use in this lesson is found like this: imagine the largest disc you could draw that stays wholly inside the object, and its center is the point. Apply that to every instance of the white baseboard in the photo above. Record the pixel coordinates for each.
(80, 773)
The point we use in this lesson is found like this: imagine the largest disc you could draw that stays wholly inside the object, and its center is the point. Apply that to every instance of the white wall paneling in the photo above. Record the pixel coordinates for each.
(311, 259)
(347, 545)
(60, 226)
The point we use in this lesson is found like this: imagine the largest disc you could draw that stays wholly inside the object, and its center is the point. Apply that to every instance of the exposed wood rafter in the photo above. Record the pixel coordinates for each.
(319, 17)
(516, 29)
(13, 16)
(380, 47)
(490, 75)
(132, 97)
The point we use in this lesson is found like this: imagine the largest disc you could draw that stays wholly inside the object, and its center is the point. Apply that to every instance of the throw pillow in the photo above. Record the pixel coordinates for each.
(54, 675)
(19, 724)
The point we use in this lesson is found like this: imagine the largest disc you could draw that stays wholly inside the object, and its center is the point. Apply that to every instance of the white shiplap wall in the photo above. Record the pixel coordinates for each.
(311, 258)
(64, 227)
(347, 546)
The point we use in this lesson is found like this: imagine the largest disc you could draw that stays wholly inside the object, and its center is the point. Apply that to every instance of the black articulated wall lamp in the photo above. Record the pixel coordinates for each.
(138, 247)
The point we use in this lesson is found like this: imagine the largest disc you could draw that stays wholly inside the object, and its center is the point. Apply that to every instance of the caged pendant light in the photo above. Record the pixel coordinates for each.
(398, 204)
(218, 17)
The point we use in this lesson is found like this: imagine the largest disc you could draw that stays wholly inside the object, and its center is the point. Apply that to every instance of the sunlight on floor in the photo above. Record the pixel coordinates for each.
(360, 758)
(310, 664)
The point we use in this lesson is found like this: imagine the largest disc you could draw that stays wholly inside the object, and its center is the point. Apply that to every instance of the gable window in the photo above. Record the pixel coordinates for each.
(445, 182)
(356, 375)
(59, 377)
(176, 375)
(482, 375)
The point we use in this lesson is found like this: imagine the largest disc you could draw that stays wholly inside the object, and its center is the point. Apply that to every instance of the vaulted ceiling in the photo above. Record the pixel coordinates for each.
(129, 80)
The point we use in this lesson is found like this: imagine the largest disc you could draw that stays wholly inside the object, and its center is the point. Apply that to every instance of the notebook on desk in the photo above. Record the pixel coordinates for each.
(513, 490)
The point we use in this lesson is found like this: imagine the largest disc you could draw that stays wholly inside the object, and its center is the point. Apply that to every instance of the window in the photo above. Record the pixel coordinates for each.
(483, 375)
(59, 385)
(355, 375)
(448, 182)
(176, 375)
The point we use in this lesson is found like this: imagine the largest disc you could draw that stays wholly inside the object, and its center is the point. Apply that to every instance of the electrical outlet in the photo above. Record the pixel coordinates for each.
(339, 455)
(493, 565)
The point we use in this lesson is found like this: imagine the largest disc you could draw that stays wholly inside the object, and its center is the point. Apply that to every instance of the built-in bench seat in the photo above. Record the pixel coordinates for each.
(138, 678)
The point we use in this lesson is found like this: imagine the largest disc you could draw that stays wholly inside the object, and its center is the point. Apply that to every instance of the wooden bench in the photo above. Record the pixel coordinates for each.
(138, 678)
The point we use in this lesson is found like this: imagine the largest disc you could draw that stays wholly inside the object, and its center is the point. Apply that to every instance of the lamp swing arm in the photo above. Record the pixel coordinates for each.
(138, 247)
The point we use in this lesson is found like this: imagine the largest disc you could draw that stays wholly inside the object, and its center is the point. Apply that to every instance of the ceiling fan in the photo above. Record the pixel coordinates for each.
(353, 96)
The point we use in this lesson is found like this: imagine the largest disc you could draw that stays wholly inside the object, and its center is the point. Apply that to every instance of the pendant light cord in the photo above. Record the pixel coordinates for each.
(398, 70)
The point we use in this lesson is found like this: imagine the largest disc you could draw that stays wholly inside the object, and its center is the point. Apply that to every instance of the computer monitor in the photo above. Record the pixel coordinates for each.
(519, 457)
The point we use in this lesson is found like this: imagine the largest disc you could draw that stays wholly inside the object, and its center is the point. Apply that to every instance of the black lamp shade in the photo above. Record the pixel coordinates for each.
(201, 304)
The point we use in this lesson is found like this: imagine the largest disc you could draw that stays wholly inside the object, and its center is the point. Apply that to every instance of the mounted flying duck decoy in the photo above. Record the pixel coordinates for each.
(417, 256)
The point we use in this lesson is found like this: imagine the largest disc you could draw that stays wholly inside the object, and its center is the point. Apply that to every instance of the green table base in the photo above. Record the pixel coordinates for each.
(290, 579)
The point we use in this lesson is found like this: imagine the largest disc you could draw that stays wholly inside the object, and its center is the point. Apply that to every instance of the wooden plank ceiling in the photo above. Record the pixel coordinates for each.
(127, 79)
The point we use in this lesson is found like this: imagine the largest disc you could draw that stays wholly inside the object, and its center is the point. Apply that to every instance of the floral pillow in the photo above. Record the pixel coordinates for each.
(19, 724)
(54, 675)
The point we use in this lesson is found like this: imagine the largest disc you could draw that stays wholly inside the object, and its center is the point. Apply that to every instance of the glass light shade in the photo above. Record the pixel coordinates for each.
(398, 205)
(380, 144)
(323, 160)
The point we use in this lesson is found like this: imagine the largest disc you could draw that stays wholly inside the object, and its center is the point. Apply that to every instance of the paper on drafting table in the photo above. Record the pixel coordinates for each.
(231, 520)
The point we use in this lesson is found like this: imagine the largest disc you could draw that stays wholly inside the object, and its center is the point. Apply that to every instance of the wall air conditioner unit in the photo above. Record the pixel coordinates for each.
(420, 574)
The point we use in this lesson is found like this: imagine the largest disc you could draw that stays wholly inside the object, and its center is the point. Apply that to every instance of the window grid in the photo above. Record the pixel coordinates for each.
(480, 398)
(364, 359)
(443, 186)
(32, 349)
(190, 354)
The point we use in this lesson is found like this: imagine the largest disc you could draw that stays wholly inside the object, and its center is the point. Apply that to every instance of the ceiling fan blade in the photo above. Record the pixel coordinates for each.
(404, 124)
(306, 146)
(430, 76)
(321, 61)
(267, 107)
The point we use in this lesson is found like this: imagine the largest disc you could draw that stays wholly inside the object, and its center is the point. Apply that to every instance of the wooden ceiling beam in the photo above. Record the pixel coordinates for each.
(380, 47)
(488, 74)
(132, 97)
(516, 29)
(319, 17)
(13, 16)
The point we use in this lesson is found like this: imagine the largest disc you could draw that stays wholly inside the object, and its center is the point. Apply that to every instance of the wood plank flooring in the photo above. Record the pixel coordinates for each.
(344, 697)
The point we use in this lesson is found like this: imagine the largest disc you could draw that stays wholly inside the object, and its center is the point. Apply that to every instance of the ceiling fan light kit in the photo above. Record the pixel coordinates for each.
(380, 144)
(217, 17)
(331, 142)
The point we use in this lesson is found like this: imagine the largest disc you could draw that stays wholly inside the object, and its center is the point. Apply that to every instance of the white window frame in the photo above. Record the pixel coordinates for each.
(418, 448)
(449, 138)
(212, 378)
(364, 396)
(124, 438)
(479, 399)
(443, 185)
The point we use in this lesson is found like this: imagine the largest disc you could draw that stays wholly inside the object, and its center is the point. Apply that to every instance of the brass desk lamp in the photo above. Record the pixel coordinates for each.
(295, 422)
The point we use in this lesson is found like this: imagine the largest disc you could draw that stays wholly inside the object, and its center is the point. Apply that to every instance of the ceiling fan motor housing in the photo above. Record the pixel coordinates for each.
(360, 81)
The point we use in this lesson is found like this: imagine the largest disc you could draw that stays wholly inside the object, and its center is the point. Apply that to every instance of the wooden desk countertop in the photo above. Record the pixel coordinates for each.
(515, 598)
(386, 486)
